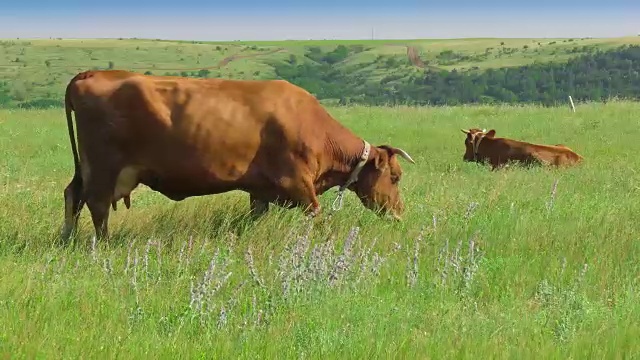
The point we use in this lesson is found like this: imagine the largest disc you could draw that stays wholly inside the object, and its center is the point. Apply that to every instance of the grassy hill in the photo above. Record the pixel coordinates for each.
(39, 69)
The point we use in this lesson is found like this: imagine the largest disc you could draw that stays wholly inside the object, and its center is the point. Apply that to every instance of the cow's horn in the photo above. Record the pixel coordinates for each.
(465, 131)
(406, 156)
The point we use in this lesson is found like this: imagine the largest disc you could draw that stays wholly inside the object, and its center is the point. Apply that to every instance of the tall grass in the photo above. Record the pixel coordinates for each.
(525, 263)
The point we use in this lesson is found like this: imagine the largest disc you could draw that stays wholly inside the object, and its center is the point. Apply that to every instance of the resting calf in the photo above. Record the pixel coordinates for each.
(483, 146)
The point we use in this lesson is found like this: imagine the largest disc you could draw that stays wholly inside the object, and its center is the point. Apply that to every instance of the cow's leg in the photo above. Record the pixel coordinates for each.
(305, 195)
(258, 207)
(102, 184)
(73, 203)
(99, 207)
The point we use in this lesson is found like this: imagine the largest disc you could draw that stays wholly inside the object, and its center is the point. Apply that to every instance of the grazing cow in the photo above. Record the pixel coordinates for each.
(187, 137)
(482, 145)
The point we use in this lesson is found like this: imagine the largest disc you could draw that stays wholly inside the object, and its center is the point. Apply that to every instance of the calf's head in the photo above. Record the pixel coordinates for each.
(377, 184)
(472, 142)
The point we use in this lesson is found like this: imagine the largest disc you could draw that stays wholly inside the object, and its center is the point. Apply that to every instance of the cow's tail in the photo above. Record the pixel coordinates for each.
(68, 107)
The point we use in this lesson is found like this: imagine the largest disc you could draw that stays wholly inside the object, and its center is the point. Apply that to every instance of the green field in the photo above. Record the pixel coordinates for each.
(552, 274)
(41, 68)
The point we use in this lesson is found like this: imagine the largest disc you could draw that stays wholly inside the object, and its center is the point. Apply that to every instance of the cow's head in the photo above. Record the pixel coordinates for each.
(472, 142)
(377, 184)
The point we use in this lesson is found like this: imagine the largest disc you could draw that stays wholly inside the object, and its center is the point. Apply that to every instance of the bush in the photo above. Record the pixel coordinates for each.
(41, 104)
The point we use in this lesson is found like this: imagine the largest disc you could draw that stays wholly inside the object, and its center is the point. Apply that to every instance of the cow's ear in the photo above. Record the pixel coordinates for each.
(381, 157)
(491, 133)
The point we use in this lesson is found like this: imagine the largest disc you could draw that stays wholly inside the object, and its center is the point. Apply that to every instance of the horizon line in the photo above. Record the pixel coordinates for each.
(120, 38)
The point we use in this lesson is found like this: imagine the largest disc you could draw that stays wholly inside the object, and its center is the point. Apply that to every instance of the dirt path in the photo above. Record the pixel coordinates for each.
(222, 63)
(414, 56)
(413, 53)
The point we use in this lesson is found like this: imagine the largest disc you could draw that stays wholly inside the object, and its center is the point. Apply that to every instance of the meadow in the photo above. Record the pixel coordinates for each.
(520, 263)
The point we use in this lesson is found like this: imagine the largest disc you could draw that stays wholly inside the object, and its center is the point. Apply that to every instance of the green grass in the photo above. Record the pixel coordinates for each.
(529, 294)
(41, 68)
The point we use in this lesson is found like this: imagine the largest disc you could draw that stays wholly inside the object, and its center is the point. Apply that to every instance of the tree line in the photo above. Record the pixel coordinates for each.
(595, 76)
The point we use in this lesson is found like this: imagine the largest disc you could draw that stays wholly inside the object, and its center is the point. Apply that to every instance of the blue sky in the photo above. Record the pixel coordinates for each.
(313, 19)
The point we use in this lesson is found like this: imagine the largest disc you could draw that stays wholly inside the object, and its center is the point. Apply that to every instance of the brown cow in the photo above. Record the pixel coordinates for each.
(187, 137)
(482, 145)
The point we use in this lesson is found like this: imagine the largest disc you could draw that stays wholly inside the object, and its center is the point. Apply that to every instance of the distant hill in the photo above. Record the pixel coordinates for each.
(33, 73)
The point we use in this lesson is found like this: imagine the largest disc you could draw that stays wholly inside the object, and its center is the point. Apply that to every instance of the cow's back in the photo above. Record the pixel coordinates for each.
(557, 155)
(191, 133)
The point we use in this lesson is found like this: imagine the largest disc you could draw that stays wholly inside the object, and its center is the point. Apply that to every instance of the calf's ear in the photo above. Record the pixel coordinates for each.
(491, 133)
